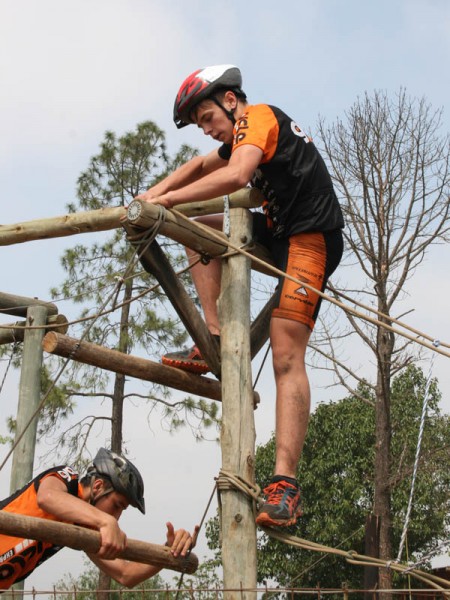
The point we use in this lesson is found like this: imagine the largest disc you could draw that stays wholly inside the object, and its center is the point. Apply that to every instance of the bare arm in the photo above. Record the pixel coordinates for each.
(131, 573)
(192, 170)
(226, 178)
(54, 498)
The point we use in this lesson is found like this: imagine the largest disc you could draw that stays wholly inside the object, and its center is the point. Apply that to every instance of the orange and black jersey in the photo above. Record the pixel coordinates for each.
(18, 556)
(292, 174)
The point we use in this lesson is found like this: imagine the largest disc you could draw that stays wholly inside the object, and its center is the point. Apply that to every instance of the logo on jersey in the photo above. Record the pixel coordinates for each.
(67, 473)
(302, 291)
(239, 128)
(298, 131)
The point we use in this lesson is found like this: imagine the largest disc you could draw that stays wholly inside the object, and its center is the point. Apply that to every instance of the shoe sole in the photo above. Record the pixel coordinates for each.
(264, 520)
(197, 367)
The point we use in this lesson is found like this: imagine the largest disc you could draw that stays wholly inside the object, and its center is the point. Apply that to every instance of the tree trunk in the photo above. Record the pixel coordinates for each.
(104, 580)
(382, 499)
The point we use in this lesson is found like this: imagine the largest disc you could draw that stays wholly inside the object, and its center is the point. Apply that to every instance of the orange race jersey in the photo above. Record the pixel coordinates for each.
(19, 557)
(292, 174)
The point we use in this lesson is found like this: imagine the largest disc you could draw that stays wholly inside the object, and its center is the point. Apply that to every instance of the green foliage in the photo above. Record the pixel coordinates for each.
(205, 582)
(59, 404)
(124, 167)
(135, 316)
(336, 477)
(84, 587)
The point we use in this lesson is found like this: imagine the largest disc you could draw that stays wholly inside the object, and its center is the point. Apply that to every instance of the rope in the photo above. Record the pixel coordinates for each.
(330, 299)
(261, 366)
(14, 348)
(416, 461)
(227, 480)
(194, 539)
(119, 281)
(438, 550)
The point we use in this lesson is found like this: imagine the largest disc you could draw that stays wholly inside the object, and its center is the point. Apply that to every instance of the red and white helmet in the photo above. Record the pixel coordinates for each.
(202, 84)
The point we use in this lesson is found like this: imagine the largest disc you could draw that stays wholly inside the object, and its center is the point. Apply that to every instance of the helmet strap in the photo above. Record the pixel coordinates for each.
(229, 113)
(106, 490)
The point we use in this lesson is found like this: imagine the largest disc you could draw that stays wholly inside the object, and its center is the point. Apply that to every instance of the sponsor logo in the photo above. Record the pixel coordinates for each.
(239, 128)
(301, 290)
(67, 473)
(297, 299)
(7, 555)
(298, 131)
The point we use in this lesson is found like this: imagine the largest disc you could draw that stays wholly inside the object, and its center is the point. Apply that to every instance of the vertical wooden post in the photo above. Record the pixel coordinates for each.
(371, 544)
(238, 425)
(29, 397)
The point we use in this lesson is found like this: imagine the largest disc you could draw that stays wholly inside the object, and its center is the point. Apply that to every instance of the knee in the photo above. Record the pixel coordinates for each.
(286, 361)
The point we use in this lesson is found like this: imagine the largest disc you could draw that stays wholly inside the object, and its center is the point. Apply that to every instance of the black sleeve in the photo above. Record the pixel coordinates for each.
(225, 151)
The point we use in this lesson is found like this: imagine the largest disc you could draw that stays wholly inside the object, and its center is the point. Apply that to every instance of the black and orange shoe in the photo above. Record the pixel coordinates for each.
(281, 507)
(188, 359)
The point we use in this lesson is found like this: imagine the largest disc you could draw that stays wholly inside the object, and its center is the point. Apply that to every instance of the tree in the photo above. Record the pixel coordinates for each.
(337, 482)
(338, 486)
(136, 315)
(391, 168)
(124, 167)
(86, 585)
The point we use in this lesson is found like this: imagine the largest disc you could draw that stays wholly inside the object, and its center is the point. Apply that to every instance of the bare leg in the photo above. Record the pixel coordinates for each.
(289, 340)
(206, 279)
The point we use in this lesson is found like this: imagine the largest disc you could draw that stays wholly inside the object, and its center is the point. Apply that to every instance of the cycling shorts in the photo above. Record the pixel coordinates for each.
(307, 257)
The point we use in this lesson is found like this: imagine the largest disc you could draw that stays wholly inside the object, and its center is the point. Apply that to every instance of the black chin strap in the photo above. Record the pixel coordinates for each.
(229, 113)
(106, 490)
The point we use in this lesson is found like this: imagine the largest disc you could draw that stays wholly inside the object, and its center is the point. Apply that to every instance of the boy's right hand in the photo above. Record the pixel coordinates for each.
(113, 540)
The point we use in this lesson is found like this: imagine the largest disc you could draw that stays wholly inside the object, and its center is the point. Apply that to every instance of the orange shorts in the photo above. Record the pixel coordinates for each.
(309, 258)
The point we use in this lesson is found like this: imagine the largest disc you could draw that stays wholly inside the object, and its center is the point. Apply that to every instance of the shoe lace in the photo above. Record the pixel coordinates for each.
(275, 492)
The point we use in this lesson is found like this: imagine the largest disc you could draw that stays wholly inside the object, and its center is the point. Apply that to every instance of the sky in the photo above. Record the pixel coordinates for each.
(69, 71)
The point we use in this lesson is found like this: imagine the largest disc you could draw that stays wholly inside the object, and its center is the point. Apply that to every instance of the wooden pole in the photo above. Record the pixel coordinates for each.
(104, 219)
(201, 238)
(112, 360)
(17, 306)
(238, 427)
(187, 232)
(371, 546)
(259, 332)
(29, 398)
(81, 538)
(14, 332)
(155, 262)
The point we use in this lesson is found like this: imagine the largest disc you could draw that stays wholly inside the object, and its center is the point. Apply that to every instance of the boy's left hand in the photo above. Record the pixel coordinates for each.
(180, 541)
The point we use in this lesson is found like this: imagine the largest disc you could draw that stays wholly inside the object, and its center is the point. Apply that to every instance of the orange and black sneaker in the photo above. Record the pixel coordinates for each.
(188, 359)
(281, 507)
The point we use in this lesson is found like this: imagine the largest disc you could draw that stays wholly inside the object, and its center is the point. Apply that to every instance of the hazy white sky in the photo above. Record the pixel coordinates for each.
(71, 70)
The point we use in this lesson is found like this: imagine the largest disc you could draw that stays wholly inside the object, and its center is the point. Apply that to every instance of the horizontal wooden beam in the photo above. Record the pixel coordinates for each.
(144, 216)
(104, 219)
(201, 238)
(14, 332)
(133, 366)
(17, 306)
(81, 538)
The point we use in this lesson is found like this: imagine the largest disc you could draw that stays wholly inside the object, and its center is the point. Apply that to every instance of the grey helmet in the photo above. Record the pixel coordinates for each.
(124, 476)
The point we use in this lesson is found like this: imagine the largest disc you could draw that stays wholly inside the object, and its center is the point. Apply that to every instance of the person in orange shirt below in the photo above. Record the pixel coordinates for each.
(262, 146)
(97, 500)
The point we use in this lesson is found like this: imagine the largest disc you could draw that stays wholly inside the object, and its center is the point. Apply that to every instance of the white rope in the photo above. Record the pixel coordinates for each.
(416, 462)
(14, 348)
